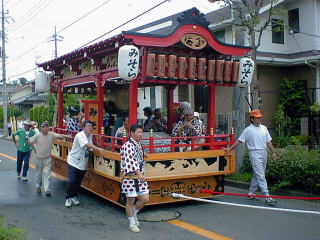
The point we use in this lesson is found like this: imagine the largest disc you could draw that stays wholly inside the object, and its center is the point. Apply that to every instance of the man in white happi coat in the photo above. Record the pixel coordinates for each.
(134, 184)
(258, 140)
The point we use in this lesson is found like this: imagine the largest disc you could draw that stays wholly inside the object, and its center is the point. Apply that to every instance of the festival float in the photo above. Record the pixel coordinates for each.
(190, 54)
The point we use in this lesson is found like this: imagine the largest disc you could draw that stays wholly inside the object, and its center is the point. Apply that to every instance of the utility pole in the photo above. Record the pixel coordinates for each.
(4, 81)
(55, 38)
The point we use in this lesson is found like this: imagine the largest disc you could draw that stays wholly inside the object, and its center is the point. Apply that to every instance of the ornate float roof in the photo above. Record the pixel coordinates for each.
(189, 22)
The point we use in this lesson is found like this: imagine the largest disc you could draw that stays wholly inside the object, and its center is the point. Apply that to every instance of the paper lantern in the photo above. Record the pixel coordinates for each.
(202, 69)
(172, 66)
(182, 69)
(227, 71)
(211, 70)
(128, 62)
(161, 67)
(41, 82)
(151, 62)
(246, 70)
(219, 71)
(192, 68)
(235, 71)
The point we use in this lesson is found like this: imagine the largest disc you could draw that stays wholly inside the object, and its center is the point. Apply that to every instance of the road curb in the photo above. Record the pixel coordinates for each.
(296, 193)
(6, 138)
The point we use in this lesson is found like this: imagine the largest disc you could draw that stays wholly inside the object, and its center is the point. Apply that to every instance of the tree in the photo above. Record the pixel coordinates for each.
(247, 15)
(22, 80)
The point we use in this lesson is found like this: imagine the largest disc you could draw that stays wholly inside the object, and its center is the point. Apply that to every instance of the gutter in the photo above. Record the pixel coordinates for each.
(309, 64)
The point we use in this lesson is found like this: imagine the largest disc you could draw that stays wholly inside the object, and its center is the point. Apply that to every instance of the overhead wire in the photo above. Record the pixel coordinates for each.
(64, 28)
(121, 25)
(26, 14)
(19, 74)
(35, 13)
(83, 16)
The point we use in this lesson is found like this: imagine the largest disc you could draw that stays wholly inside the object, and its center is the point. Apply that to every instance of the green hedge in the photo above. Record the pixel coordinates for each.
(41, 114)
(295, 168)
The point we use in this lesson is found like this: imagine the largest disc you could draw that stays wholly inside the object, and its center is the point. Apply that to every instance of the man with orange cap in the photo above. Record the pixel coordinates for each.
(258, 140)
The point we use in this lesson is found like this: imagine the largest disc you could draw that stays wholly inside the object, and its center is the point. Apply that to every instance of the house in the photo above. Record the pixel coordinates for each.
(293, 52)
(25, 97)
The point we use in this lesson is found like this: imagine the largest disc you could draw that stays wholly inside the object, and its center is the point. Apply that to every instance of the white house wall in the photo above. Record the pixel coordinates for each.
(303, 41)
(21, 93)
(307, 25)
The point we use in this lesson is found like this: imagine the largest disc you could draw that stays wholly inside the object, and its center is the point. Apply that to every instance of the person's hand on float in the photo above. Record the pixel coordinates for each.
(101, 151)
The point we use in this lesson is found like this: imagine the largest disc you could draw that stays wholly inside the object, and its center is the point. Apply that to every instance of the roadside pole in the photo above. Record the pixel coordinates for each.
(238, 107)
(4, 81)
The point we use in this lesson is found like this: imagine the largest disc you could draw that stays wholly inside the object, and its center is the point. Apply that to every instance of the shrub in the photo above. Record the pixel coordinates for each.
(295, 168)
(303, 139)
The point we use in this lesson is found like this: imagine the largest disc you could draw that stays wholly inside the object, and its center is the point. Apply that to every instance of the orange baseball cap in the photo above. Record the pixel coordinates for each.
(256, 113)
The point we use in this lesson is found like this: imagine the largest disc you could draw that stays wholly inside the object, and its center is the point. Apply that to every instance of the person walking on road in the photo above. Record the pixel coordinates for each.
(134, 184)
(23, 148)
(42, 145)
(258, 140)
(77, 162)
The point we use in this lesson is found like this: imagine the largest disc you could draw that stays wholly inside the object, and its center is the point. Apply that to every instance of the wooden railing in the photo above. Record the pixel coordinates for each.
(172, 144)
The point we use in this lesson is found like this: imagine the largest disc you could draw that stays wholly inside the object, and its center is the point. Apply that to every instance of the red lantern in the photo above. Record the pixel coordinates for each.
(219, 71)
(192, 68)
(182, 68)
(172, 66)
(235, 72)
(211, 70)
(227, 71)
(151, 62)
(161, 67)
(202, 69)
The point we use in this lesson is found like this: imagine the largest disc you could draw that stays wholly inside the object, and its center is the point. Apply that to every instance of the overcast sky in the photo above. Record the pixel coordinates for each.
(35, 21)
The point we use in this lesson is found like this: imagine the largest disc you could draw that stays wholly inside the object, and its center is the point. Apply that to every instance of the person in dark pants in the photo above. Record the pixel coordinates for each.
(23, 148)
(77, 162)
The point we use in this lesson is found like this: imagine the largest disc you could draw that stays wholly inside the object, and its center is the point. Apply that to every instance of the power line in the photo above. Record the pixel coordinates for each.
(91, 40)
(26, 14)
(27, 71)
(33, 15)
(64, 28)
(85, 15)
(121, 25)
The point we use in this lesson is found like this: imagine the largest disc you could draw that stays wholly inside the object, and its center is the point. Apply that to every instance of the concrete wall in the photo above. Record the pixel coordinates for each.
(271, 78)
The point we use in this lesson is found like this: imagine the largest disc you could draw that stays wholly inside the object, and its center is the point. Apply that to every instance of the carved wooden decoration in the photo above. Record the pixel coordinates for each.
(184, 167)
(87, 67)
(194, 41)
(110, 61)
(104, 165)
(66, 72)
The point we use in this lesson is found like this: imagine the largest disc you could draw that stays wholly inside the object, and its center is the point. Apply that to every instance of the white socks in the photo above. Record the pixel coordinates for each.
(131, 221)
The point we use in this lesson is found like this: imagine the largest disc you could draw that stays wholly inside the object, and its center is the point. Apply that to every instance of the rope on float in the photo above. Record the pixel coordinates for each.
(178, 195)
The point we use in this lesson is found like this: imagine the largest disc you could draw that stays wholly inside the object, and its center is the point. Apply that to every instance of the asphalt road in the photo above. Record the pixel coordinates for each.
(95, 219)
